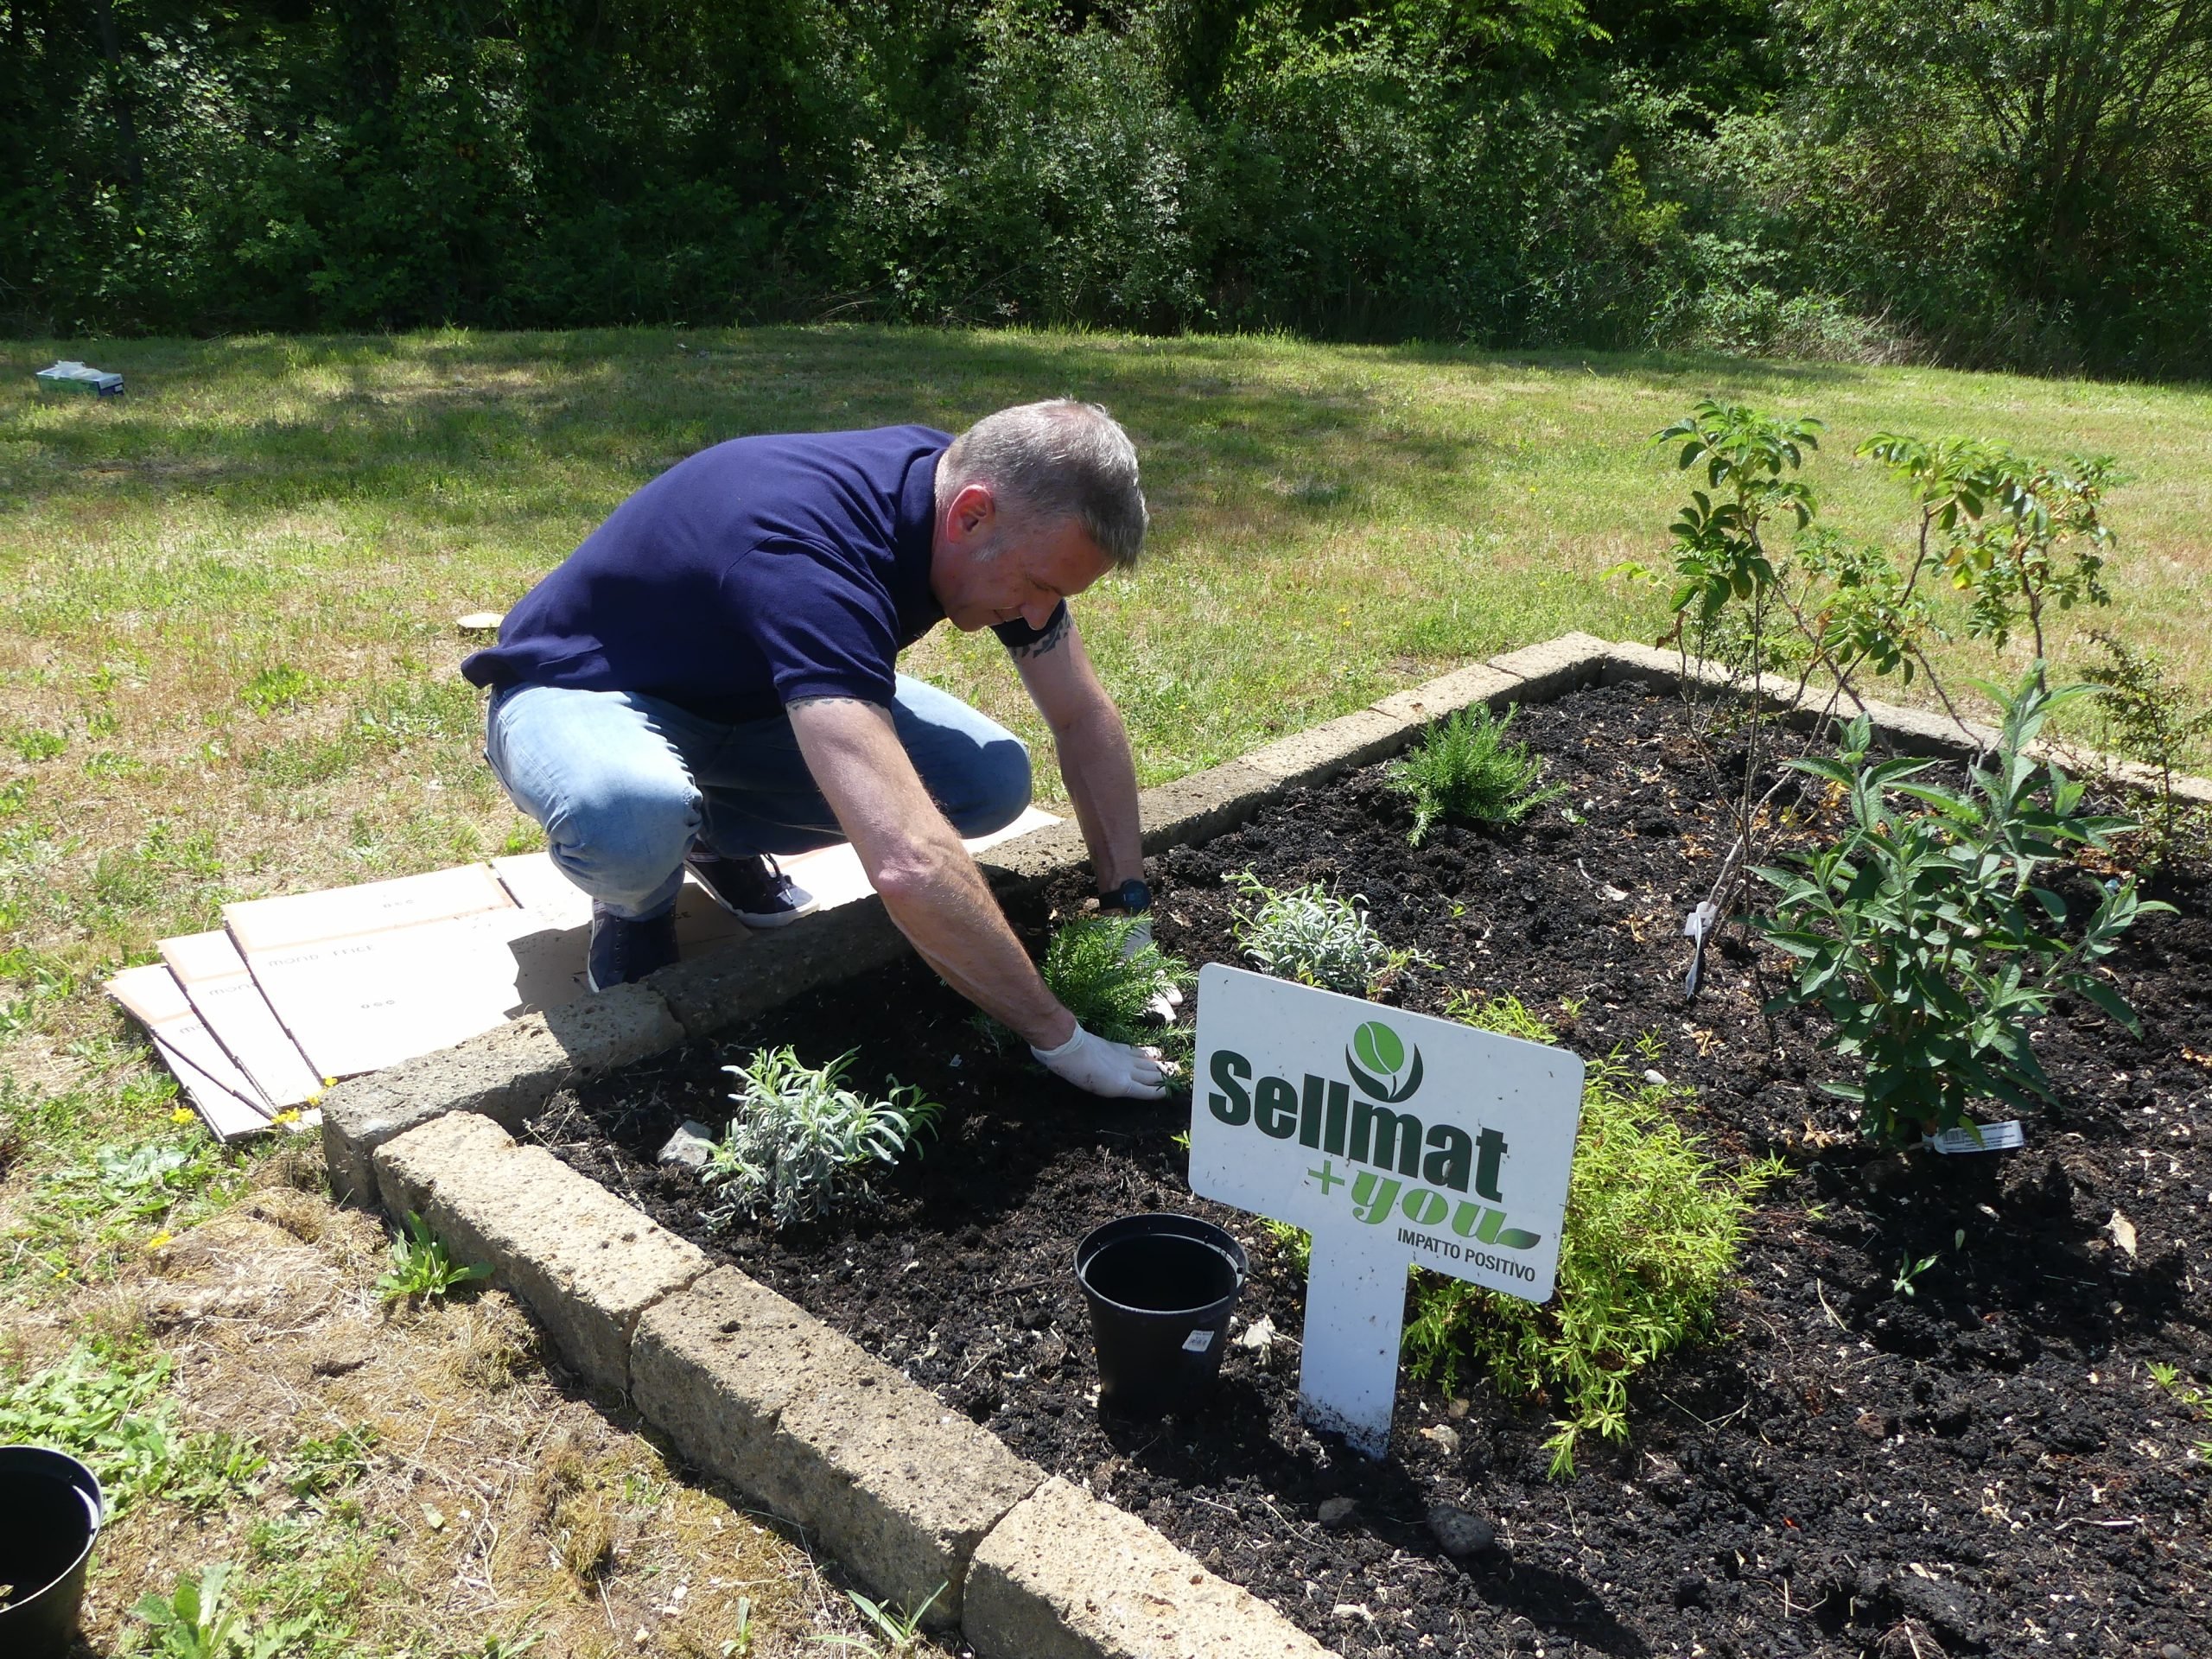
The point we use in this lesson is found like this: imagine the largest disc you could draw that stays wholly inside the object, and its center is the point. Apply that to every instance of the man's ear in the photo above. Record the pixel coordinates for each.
(971, 512)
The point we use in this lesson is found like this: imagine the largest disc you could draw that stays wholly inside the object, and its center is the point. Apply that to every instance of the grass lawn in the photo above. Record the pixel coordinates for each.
(227, 640)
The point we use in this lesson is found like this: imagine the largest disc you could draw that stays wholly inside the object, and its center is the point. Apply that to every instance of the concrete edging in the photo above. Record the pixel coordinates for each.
(906, 1493)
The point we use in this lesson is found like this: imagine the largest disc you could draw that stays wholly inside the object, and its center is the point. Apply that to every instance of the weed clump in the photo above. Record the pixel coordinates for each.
(1467, 771)
(422, 1268)
(801, 1142)
(1653, 1228)
(1310, 935)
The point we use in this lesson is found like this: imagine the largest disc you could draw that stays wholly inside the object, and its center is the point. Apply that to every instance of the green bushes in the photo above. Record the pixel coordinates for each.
(1503, 174)
(1113, 989)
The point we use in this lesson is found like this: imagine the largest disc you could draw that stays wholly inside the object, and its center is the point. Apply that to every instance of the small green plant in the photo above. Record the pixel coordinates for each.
(1310, 936)
(801, 1142)
(1110, 983)
(1908, 1270)
(2148, 716)
(320, 1468)
(739, 1644)
(422, 1268)
(1466, 772)
(1925, 933)
(2189, 1397)
(31, 744)
(900, 1633)
(192, 1622)
(275, 689)
(1653, 1228)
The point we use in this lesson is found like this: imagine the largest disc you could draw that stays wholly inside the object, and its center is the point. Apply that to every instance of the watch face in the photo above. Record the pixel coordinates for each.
(1134, 896)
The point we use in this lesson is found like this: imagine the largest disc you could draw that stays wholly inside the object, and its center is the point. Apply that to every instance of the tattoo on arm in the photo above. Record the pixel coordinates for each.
(807, 703)
(1045, 643)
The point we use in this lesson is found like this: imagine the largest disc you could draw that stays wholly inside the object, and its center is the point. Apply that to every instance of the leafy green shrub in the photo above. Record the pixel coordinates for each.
(1110, 987)
(801, 1142)
(1464, 772)
(1653, 1228)
(1925, 936)
(2148, 717)
(422, 1268)
(1310, 936)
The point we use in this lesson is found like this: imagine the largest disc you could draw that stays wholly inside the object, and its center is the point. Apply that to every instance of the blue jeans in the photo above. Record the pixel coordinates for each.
(627, 786)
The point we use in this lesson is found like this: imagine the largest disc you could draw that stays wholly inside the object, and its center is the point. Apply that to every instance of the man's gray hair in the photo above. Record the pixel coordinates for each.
(1060, 459)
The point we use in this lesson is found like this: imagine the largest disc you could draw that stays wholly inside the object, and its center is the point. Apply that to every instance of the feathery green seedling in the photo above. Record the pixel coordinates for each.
(1107, 984)
(1466, 772)
(1653, 1228)
(422, 1268)
(801, 1142)
(1309, 934)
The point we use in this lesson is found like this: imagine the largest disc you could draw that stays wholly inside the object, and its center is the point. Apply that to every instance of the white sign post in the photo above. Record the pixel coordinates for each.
(1392, 1137)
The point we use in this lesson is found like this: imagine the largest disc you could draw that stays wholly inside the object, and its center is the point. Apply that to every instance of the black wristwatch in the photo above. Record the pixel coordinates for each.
(1132, 897)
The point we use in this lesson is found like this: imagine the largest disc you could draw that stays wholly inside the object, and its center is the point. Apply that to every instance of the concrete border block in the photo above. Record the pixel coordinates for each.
(1203, 803)
(505, 1074)
(1555, 666)
(1421, 705)
(586, 1264)
(897, 1484)
(1064, 1576)
(1035, 860)
(709, 994)
(1336, 746)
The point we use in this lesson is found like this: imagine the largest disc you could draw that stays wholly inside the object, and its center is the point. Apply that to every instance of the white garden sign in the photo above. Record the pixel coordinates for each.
(1393, 1138)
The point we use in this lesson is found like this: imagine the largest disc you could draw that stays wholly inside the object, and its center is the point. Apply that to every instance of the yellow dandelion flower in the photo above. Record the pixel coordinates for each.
(289, 1115)
(159, 1241)
(181, 1115)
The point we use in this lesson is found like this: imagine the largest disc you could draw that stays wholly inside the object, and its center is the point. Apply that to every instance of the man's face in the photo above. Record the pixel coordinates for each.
(991, 565)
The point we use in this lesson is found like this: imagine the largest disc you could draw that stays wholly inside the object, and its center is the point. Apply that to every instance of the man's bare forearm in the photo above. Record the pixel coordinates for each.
(1101, 776)
(940, 902)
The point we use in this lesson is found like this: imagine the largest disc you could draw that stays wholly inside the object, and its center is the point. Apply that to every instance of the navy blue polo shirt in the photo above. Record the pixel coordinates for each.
(747, 576)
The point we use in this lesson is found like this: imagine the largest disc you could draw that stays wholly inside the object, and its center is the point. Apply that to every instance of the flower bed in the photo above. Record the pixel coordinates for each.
(1971, 1453)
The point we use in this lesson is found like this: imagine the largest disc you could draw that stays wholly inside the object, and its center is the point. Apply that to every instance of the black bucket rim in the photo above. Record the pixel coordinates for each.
(1157, 1223)
(68, 1471)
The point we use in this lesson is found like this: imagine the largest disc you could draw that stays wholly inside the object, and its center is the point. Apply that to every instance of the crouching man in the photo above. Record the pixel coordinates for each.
(710, 679)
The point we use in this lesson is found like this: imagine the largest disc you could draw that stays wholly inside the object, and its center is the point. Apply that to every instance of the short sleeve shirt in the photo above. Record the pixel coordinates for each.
(752, 575)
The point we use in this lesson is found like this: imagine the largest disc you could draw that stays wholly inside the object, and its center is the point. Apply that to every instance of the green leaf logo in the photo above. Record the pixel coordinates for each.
(1516, 1238)
(1376, 1058)
(1379, 1048)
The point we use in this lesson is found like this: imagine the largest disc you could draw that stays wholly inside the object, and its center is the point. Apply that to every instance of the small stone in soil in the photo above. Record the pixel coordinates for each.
(1460, 1532)
(1335, 1512)
(689, 1147)
(1444, 1438)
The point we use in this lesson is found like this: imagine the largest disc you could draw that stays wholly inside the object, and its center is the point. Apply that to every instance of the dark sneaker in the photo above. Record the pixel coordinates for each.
(754, 889)
(623, 951)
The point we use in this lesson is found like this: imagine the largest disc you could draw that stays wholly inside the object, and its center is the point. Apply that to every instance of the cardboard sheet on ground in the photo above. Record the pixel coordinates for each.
(223, 993)
(223, 1094)
(363, 977)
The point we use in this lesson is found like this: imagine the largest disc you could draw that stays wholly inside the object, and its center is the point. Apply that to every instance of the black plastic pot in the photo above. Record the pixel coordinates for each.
(1161, 1289)
(50, 1512)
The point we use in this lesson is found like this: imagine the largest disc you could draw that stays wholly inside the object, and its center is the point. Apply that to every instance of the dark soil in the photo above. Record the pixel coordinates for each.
(1983, 1465)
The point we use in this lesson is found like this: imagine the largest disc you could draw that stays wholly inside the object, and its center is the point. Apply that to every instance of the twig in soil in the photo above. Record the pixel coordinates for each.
(1717, 1422)
(1821, 1291)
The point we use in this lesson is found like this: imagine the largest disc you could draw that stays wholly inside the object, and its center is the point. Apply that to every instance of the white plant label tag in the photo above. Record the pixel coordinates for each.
(1394, 1138)
(1198, 1341)
(1994, 1137)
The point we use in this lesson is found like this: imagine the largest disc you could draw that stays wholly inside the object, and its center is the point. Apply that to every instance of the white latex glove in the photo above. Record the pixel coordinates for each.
(1115, 1071)
(1167, 999)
